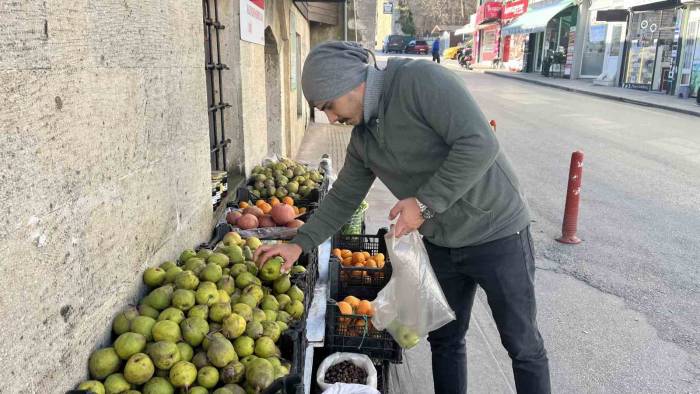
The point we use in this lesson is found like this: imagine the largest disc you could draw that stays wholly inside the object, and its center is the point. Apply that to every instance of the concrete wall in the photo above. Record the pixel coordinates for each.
(104, 170)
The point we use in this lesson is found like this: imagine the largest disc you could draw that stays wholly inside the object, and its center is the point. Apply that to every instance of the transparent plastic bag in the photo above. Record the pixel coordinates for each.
(412, 304)
(360, 360)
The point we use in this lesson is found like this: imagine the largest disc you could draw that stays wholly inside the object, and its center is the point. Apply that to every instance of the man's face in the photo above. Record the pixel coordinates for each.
(346, 109)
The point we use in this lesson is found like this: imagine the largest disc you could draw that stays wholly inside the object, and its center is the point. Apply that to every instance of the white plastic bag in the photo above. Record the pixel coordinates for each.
(344, 388)
(412, 304)
(360, 360)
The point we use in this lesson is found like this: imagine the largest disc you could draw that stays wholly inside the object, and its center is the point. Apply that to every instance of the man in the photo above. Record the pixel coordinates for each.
(436, 50)
(420, 131)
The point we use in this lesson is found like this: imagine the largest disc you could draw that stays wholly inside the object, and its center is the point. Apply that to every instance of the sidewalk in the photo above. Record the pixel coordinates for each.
(595, 342)
(649, 99)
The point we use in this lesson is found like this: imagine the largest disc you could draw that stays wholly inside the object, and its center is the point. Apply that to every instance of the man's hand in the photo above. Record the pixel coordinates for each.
(409, 215)
(289, 252)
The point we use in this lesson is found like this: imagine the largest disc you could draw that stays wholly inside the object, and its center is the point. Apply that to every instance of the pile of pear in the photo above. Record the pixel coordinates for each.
(209, 324)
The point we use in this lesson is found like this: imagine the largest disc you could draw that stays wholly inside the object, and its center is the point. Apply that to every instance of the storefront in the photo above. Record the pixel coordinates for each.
(652, 46)
(514, 46)
(488, 33)
(604, 41)
(689, 69)
(549, 27)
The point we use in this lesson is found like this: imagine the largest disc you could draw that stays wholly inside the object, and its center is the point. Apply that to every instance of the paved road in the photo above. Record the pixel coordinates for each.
(619, 312)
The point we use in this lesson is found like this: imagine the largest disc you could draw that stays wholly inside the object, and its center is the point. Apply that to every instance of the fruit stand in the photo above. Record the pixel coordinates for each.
(215, 322)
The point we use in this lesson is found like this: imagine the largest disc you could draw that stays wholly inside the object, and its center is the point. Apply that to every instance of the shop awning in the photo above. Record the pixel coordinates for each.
(466, 29)
(535, 19)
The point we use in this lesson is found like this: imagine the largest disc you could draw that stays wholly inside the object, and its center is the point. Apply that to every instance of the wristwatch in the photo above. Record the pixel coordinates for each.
(425, 211)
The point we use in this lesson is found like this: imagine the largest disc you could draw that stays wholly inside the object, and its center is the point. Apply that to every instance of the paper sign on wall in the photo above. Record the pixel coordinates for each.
(253, 21)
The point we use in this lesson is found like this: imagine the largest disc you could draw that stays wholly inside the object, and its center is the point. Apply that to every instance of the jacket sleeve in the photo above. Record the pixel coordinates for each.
(346, 194)
(441, 98)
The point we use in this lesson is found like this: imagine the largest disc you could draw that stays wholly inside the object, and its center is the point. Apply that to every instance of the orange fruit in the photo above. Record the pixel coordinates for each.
(370, 263)
(288, 200)
(259, 203)
(352, 300)
(302, 210)
(366, 254)
(296, 210)
(379, 256)
(358, 273)
(347, 262)
(358, 257)
(365, 308)
(336, 253)
(274, 201)
(266, 208)
(345, 253)
(243, 205)
(345, 308)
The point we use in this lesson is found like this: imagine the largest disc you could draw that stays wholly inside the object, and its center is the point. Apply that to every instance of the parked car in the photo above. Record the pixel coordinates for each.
(395, 43)
(419, 47)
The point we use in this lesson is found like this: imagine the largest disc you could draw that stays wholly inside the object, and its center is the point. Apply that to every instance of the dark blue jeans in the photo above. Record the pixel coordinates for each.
(505, 269)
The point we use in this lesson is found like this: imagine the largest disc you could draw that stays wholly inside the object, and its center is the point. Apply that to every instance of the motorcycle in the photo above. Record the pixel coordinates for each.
(465, 58)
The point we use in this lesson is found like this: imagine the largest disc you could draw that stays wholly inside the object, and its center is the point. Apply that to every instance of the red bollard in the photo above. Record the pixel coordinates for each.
(493, 125)
(573, 194)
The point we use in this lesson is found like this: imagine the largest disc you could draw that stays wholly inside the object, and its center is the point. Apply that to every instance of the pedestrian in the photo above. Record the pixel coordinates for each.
(419, 130)
(436, 50)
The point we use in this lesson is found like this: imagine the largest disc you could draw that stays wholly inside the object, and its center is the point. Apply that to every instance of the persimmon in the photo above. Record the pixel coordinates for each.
(364, 307)
(243, 205)
(288, 200)
(352, 300)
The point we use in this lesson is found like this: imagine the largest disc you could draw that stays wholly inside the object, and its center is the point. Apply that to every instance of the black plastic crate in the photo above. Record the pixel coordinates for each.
(310, 202)
(382, 376)
(292, 345)
(361, 282)
(355, 333)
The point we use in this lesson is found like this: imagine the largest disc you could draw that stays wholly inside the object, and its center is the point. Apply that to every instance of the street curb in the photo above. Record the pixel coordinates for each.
(600, 95)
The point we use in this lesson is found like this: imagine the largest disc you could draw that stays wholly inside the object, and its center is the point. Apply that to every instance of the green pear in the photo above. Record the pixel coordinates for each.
(116, 384)
(123, 319)
(231, 238)
(171, 273)
(166, 330)
(265, 347)
(159, 298)
(234, 372)
(259, 374)
(201, 311)
(154, 276)
(208, 377)
(283, 325)
(166, 265)
(243, 310)
(139, 369)
(295, 309)
(195, 264)
(227, 284)
(283, 301)
(270, 314)
(255, 291)
(224, 297)
(275, 361)
(219, 259)
(183, 374)
(269, 302)
(129, 344)
(187, 254)
(233, 326)
(219, 311)
(172, 314)
(147, 310)
(200, 360)
(204, 253)
(186, 280)
(271, 330)
(253, 243)
(244, 279)
(280, 371)
(244, 346)
(143, 325)
(212, 272)
(284, 316)
(92, 385)
(282, 284)
(194, 329)
(221, 352)
(158, 386)
(196, 390)
(247, 253)
(259, 314)
(295, 293)
(164, 354)
(238, 269)
(235, 296)
(186, 351)
(103, 362)
(235, 254)
(249, 300)
(254, 329)
(252, 269)
(207, 294)
(183, 299)
(209, 338)
(298, 269)
(271, 269)
(247, 359)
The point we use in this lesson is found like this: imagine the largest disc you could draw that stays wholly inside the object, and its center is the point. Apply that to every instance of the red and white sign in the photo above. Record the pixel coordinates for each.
(488, 12)
(514, 9)
(253, 21)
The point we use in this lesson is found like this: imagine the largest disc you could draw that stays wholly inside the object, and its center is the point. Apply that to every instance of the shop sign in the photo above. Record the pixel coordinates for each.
(514, 9)
(388, 8)
(637, 86)
(253, 21)
(488, 12)
(570, 51)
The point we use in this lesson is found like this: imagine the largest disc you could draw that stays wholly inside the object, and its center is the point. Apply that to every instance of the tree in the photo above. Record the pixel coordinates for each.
(408, 26)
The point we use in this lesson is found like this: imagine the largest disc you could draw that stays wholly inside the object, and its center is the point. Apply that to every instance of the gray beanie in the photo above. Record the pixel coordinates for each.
(332, 69)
